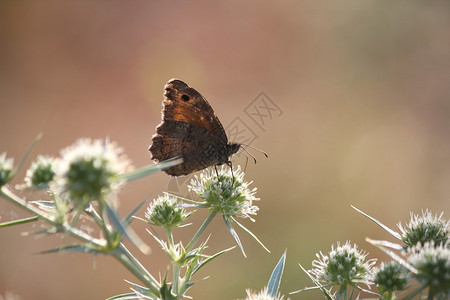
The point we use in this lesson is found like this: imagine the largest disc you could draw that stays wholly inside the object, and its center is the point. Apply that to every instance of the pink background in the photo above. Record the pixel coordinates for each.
(364, 89)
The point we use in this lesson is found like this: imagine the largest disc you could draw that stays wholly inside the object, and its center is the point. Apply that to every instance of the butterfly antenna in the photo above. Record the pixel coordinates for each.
(254, 158)
(246, 161)
(259, 150)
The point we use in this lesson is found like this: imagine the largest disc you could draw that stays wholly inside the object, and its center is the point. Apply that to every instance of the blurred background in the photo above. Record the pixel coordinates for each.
(351, 100)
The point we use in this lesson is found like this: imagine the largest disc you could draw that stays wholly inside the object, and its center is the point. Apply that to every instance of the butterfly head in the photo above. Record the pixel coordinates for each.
(233, 148)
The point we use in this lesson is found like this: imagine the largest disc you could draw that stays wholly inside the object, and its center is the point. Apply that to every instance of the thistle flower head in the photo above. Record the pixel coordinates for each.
(229, 196)
(165, 211)
(40, 173)
(6, 166)
(88, 170)
(343, 265)
(433, 267)
(425, 228)
(391, 277)
(262, 295)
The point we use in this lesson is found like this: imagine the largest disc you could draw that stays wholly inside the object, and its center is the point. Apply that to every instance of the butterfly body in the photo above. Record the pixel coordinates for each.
(189, 129)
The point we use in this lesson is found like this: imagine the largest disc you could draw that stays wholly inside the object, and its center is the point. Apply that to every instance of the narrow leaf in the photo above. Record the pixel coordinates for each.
(251, 233)
(234, 235)
(394, 256)
(129, 296)
(321, 287)
(24, 158)
(129, 218)
(142, 172)
(127, 232)
(47, 206)
(392, 232)
(72, 248)
(18, 222)
(209, 259)
(275, 279)
(140, 289)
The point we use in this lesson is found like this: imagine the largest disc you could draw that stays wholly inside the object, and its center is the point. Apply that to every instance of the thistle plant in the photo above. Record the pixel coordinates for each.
(425, 270)
(390, 277)
(270, 292)
(433, 268)
(41, 173)
(345, 267)
(85, 180)
(225, 192)
(6, 169)
(425, 228)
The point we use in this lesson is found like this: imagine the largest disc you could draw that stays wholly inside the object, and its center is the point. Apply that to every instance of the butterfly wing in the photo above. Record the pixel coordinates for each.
(190, 129)
(184, 104)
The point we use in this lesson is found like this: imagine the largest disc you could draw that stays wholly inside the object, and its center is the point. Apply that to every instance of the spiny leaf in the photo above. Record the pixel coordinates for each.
(142, 172)
(72, 248)
(209, 259)
(235, 236)
(274, 282)
(18, 222)
(24, 158)
(127, 232)
(129, 218)
(392, 232)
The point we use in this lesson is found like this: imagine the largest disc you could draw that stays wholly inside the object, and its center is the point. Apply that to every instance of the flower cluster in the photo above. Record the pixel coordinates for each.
(262, 295)
(425, 228)
(6, 165)
(165, 211)
(433, 267)
(344, 265)
(41, 172)
(391, 277)
(88, 170)
(225, 192)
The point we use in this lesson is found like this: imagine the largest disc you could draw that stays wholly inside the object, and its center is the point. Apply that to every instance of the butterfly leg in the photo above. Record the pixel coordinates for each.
(231, 168)
(217, 173)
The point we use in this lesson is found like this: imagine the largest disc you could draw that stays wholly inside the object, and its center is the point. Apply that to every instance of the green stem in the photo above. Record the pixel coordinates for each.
(10, 196)
(120, 253)
(202, 228)
(124, 256)
(104, 225)
(174, 259)
(176, 278)
(170, 238)
(94, 215)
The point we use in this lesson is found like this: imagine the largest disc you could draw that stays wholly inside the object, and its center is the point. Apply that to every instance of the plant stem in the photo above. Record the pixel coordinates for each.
(174, 259)
(121, 253)
(202, 228)
(176, 277)
(8, 195)
(124, 256)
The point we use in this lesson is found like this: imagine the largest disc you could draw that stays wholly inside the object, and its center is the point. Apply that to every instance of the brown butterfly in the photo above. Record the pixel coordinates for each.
(189, 129)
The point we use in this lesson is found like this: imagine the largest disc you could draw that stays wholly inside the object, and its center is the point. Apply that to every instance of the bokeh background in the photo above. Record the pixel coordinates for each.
(364, 93)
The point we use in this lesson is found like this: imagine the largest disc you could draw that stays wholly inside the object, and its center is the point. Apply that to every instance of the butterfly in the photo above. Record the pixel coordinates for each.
(189, 129)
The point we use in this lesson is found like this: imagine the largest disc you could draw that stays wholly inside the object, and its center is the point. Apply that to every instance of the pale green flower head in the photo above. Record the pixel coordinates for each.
(225, 194)
(41, 172)
(165, 211)
(6, 167)
(391, 277)
(262, 295)
(425, 228)
(343, 265)
(433, 267)
(88, 170)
